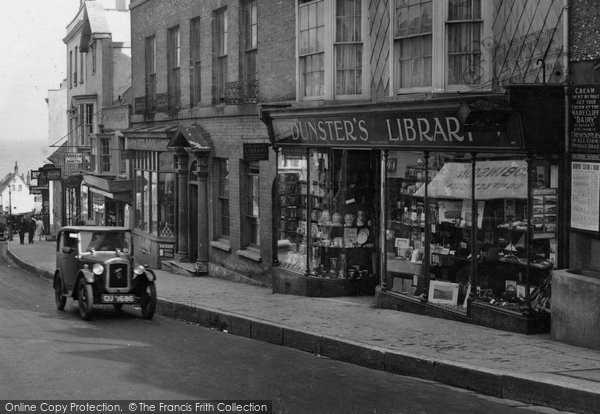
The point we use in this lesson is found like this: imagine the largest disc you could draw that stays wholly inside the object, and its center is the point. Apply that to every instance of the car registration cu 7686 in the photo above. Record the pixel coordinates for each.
(107, 298)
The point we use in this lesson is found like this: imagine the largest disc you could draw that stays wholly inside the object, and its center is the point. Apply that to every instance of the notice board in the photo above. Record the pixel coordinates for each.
(584, 104)
(585, 196)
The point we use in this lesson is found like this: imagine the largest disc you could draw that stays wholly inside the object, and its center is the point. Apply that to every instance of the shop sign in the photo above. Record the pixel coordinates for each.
(584, 104)
(411, 129)
(53, 174)
(493, 180)
(256, 152)
(73, 158)
(166, 250)
(585, 196)
(35, 190)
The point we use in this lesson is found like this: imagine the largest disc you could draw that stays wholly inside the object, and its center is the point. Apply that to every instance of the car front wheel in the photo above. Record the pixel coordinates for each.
(59, 297)
(85, 295)
(148, 301)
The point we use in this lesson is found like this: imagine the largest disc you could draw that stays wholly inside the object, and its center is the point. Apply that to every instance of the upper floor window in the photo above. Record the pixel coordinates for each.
(437, 47)
(75, 66)
(70, 69)
(93, 49)
(81, 66)
(220, 32)
(331, 52)
(250, 40)
(86, 123)
(195, 62)
(173, 66)
(150, 68)
(104, 154)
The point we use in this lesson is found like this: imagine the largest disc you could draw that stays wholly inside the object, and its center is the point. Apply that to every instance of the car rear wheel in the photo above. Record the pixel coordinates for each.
(59, 297)
(148, 301)
(85, 294)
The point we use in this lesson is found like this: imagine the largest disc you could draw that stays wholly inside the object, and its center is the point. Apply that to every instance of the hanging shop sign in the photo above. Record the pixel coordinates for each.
(440, 129)
(584, 104)
(256, 152)
(493, 179)
(585, 196)
(73, 158)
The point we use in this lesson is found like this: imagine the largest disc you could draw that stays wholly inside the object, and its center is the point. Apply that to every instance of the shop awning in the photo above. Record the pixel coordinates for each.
(116, 189)
(493, 179)
(154, 137)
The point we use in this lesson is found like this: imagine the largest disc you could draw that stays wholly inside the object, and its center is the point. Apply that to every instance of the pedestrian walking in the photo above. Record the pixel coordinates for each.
(39, 228)
(22, 229)
(31, 229)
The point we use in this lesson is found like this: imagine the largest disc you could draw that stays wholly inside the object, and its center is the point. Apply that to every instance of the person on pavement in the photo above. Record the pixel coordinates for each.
(22, 228)
(39, 228)
(31, 229)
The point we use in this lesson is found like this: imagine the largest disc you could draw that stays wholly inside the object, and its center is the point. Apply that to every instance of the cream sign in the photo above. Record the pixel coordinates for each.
(411, 129)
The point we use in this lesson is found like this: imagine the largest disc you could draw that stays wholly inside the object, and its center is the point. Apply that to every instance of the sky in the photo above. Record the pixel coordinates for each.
(32, 60)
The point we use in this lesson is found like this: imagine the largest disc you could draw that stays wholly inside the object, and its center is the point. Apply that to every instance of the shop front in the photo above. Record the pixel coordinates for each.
(441, 208)
(108, 200)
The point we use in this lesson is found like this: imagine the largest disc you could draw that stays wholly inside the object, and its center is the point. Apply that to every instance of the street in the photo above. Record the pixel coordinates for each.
(49, 354)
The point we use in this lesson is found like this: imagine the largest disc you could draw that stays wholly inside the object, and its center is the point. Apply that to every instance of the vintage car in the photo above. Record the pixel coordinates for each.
(94, 265)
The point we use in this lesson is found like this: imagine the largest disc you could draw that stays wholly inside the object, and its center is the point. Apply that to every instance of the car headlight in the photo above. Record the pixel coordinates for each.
(98, 269)
(138, 270)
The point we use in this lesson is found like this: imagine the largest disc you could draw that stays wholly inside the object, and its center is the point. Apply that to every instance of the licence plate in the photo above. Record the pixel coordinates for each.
(118, 299)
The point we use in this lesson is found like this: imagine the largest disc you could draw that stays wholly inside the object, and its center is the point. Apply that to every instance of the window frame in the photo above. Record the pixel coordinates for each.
(252, 198)
(329, 51)
(150, 69)
(222, 195)
(439, 51)
(249, 32)
(220, 54)
(104, 154)
(174, 66)
(195, 62)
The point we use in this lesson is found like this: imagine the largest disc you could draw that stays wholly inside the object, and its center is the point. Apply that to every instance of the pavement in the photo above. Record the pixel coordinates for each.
(529, 368)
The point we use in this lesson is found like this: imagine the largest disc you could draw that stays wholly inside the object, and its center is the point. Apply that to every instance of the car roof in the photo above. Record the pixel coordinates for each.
(93, 228)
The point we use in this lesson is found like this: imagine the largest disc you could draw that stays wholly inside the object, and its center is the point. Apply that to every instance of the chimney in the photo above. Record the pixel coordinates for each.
(16, 169)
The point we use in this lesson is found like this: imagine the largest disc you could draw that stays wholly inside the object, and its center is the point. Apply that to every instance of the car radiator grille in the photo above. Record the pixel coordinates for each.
(117, 275)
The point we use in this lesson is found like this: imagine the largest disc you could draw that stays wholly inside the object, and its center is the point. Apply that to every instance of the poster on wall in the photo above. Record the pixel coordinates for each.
(584, 104)
(585, 196)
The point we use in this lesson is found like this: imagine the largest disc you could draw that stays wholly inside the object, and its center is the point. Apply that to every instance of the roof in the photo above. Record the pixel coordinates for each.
(99, 22)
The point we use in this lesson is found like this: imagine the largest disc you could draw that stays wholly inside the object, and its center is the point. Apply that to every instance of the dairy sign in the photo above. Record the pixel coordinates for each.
(410, 129)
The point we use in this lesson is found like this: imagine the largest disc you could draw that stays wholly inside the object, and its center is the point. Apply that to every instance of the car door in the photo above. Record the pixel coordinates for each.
(67, 257)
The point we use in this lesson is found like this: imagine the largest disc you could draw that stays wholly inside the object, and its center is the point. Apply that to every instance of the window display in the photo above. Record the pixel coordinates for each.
(338, 210)
(482, 247)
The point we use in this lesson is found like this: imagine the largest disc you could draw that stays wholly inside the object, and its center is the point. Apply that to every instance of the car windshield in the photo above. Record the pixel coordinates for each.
(105, 241)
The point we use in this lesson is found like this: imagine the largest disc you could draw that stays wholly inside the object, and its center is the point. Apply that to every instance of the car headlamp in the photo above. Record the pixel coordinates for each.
(138, 269)
(98, 269)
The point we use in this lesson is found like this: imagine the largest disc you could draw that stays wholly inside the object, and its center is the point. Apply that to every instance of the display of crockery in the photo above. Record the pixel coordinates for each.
(363, 236)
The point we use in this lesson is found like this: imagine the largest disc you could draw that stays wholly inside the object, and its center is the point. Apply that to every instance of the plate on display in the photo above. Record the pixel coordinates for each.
(362, 236)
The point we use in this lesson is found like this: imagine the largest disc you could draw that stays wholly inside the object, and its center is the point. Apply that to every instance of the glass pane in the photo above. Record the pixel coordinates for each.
(292, 225)
(166, 208)
(139, 188)
(154, 204)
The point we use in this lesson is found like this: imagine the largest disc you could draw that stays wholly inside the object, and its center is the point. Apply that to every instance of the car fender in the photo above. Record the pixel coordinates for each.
(150, 276)
(87, 275)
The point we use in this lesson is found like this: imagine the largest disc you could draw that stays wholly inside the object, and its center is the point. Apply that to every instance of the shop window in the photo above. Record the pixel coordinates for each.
(427, 40)
(339, 210)
(331, 59)
(166, 206)
(146, 191)
(222, 191)
(291, 192)
(252, 219)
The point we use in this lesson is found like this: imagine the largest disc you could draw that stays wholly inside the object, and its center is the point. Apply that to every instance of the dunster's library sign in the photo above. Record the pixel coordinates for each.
(437, 129)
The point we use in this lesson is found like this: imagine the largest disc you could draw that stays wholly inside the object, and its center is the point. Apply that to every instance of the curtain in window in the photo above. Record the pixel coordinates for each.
(413, 43)
(348, 47)
(464, 40)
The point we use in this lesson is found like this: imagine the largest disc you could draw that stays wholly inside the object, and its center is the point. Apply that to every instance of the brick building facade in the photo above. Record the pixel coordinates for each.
(195, 121)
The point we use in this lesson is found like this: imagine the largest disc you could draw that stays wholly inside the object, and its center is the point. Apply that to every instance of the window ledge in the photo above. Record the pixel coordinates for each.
(251, 254)
(221, 245)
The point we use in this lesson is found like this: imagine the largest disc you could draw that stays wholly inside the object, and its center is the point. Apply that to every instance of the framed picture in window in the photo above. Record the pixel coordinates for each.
(445, 293)
(392, 164)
